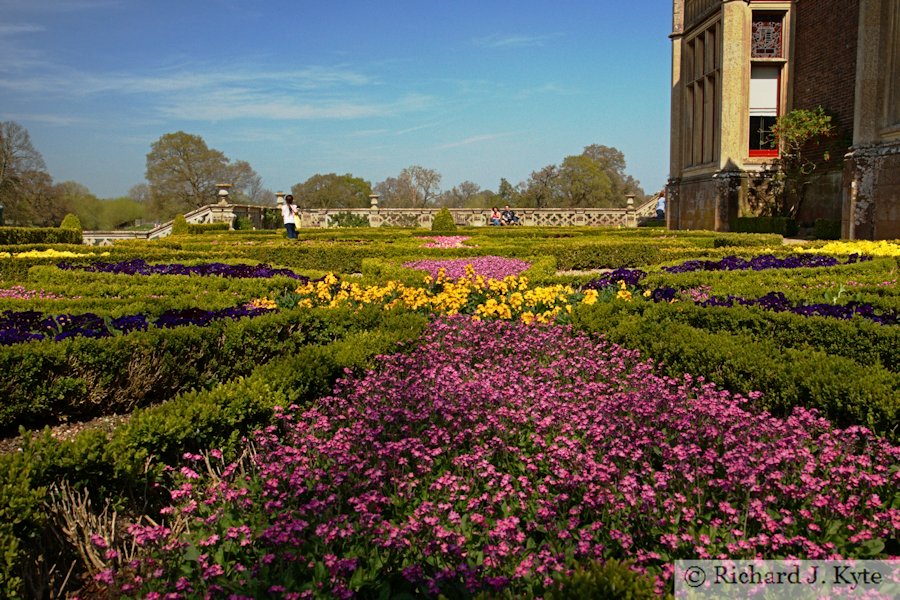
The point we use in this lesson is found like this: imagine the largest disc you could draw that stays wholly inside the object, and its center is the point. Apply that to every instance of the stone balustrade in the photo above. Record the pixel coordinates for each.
(269, 217)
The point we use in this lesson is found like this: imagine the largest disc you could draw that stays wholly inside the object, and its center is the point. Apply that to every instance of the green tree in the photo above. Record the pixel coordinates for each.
(44, 206)
(612, 161)
(21, 166)
(82, 203)
(796, 133)
(182, 173)
(594, 178)
(584, 183)
(506, 193)
(542, 188)
(120, 213)
(332, 191)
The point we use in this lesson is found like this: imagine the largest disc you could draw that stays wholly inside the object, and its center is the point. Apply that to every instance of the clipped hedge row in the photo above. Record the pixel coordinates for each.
(780, 225)
(862, 341)
(748, 240)
(80, 377)
(130, 463)
(115, 295)
(843, 390)
(39, 235)
(201, 228)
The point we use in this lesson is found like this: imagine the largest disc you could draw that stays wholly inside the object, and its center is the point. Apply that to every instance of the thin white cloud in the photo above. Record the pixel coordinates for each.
(183, 79)
(43, 118)
(10, 29)
(552, 89)
(225, 105)
(513, 41)
(475, 139)
(56, 6)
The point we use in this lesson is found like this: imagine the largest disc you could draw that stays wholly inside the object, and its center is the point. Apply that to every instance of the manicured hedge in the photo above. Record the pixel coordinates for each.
(38, 235)
(747, 240)
(200, 228)
(780, 225)
(824, 229)
(51, 381)
(864, 342)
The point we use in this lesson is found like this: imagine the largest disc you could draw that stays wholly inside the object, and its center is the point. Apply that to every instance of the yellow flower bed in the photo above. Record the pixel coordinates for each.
(507, 299)
(880, 248)
(51, 253)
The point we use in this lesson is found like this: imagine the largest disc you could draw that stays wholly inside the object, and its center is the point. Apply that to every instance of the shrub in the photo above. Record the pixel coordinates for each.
(180, 225)
(347, 219)
(780, 225)
(200, 228)
(15, 236)
(443, 222)
(70, 221)
(85, 377)
(21, 515)
(612, 580)
(749, 240)
(242, 224)
(825, 229)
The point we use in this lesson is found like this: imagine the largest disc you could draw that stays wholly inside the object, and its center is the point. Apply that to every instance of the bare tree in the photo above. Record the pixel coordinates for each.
(20, 165)
(426, 182)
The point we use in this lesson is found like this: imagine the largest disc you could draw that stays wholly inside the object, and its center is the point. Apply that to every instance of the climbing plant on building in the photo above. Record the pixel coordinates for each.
(799, 136)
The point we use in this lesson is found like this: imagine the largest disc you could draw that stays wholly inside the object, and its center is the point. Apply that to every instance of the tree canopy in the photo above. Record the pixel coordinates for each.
(23, 174)
(182, 173)
(332, 191)
(416, 187)
(594, 178)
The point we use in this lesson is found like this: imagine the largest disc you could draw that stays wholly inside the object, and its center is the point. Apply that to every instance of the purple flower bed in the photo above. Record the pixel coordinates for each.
(763, 262)
(778, 302)
(27, 326)
(139, 266)
(631, 277)
(489, 267)
(495, 455)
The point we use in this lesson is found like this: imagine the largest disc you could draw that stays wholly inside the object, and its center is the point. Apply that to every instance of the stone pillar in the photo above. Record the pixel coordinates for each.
(736, 24)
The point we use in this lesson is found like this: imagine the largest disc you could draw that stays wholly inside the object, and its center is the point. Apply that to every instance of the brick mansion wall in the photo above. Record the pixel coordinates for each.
(825, 58)
(825, 52)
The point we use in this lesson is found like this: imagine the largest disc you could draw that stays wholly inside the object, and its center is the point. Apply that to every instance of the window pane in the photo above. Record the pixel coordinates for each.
(761, 137)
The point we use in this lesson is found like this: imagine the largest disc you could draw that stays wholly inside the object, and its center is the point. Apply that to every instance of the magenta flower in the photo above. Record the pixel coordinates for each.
(492, 456)
(489, 267)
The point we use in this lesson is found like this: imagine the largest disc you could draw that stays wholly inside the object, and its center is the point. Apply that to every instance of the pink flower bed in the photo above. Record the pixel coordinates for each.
(18, 292)
(446, 241)
(490, 267)
(493, 456)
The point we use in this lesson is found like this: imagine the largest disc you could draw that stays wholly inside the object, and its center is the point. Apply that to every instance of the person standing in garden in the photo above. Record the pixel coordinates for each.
(661, 206)
(289, 215)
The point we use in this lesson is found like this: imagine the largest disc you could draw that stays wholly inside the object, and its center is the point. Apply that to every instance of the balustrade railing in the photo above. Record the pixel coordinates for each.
(269, 217)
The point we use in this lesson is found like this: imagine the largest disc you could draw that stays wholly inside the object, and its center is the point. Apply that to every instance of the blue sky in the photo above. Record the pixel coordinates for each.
(477, 90)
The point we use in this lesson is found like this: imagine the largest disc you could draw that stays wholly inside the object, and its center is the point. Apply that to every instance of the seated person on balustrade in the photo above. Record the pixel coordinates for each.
(508, 217)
